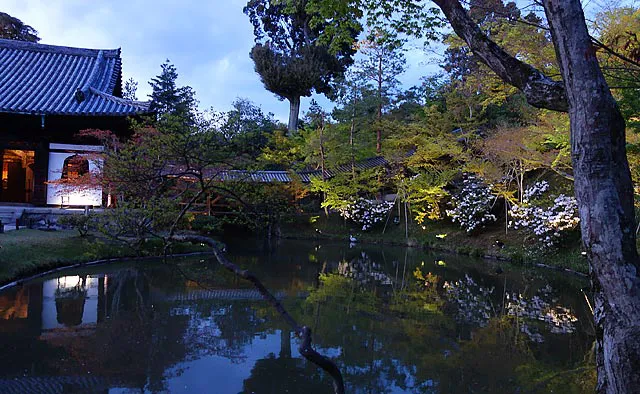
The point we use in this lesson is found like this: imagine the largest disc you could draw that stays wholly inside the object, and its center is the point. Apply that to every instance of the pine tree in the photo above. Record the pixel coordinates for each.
(130, 89)
(169, 99)
(14, 29)
(383, 62)
(297, 50)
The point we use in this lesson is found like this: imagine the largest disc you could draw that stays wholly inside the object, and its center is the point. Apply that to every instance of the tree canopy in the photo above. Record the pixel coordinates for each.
(167, 98)
(299, 48)
(14, 29)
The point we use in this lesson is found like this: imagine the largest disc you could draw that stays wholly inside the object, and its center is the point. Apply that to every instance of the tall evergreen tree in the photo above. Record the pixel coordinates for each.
(383, 62)
(169, 99)
(130, 89)
(14, 29)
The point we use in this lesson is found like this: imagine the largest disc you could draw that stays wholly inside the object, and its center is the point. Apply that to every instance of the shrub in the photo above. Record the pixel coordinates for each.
(206, 224)
(82, 223)
(472, 204)
(548, 220)
(366, 212)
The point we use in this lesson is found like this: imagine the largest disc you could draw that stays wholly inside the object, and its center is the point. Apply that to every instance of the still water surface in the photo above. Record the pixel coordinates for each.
(395, 320)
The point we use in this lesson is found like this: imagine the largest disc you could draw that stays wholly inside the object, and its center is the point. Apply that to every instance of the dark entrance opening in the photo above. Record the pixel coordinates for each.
(17, 176)
(74, 167)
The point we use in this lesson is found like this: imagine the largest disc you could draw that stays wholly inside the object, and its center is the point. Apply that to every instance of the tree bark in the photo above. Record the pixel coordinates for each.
(604, 191)
(379, 130)
(352, 130)
(539, 90)
(602, 178)
(294, 111)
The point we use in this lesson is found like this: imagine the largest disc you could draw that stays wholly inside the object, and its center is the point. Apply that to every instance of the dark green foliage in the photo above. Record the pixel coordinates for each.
(130, 89)
(169, 99)
(14, 29)
(206, 224)
(298, 73)
(246, 128)
(82, 223)
(298, 50)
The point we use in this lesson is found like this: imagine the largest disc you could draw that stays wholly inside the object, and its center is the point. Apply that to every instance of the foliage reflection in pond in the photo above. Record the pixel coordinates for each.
(448, 336)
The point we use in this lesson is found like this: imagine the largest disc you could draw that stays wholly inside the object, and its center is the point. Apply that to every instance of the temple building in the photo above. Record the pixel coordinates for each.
(47, 95)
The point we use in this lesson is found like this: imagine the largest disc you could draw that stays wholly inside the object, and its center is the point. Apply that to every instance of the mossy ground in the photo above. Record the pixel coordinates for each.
(26, 252)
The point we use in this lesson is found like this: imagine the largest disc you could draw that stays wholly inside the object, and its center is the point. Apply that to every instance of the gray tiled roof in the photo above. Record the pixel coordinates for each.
(256, 176)
(274, 176)
(53, 80)
(372, 162)
(305, 176)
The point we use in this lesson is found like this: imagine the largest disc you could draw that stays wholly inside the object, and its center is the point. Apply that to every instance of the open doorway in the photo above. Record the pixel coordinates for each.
(17, 176)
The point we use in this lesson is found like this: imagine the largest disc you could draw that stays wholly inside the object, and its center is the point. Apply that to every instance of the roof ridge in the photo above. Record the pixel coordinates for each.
(37, 47)
(143, 105)
(82, 92)
(116, 75)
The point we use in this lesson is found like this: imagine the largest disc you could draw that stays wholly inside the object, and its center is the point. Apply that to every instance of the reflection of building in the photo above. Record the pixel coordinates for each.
(21, 311)
(71, 301)
(54, 306)
(47, 95)
(58, 332)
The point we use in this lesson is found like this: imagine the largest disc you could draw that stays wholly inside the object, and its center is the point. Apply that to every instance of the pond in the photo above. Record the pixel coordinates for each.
(395, 320)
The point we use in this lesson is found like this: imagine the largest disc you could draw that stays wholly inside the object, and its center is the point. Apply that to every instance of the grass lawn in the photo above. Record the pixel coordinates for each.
(26, 252)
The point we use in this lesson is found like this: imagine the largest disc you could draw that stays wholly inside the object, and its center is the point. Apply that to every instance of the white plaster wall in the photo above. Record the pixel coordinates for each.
(49, 311)
(82, 197)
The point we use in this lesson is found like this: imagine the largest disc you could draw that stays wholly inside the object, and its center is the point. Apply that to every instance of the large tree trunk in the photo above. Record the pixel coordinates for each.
(294, 111)
(605, 198)
(602, 179)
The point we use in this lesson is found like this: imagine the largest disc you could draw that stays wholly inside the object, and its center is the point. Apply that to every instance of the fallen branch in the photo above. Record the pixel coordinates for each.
(303, 332)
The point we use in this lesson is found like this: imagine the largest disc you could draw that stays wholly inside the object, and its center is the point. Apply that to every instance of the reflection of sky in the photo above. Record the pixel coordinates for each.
(218, 374)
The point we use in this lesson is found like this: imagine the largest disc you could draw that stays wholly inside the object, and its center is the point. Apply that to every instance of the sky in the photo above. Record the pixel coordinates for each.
(208, 42)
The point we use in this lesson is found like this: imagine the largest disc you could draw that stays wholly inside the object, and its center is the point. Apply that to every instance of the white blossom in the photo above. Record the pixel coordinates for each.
(366, 212)
(546, 223)
(472, 204)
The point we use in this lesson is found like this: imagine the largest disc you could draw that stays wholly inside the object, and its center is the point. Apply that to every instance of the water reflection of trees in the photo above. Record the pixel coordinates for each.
(472, 302)
(388, 326)
(408, 340)
(474, 306)
(364, 270)
(223, 329)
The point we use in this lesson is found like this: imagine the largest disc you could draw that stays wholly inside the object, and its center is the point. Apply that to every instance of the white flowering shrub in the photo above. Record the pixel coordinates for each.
(472, 204)
(535, 191)
(546, 222)
(366, 212)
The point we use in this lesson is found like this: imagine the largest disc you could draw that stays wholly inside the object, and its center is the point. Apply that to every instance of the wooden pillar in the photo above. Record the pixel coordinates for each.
(40, 173)
(1, 166)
